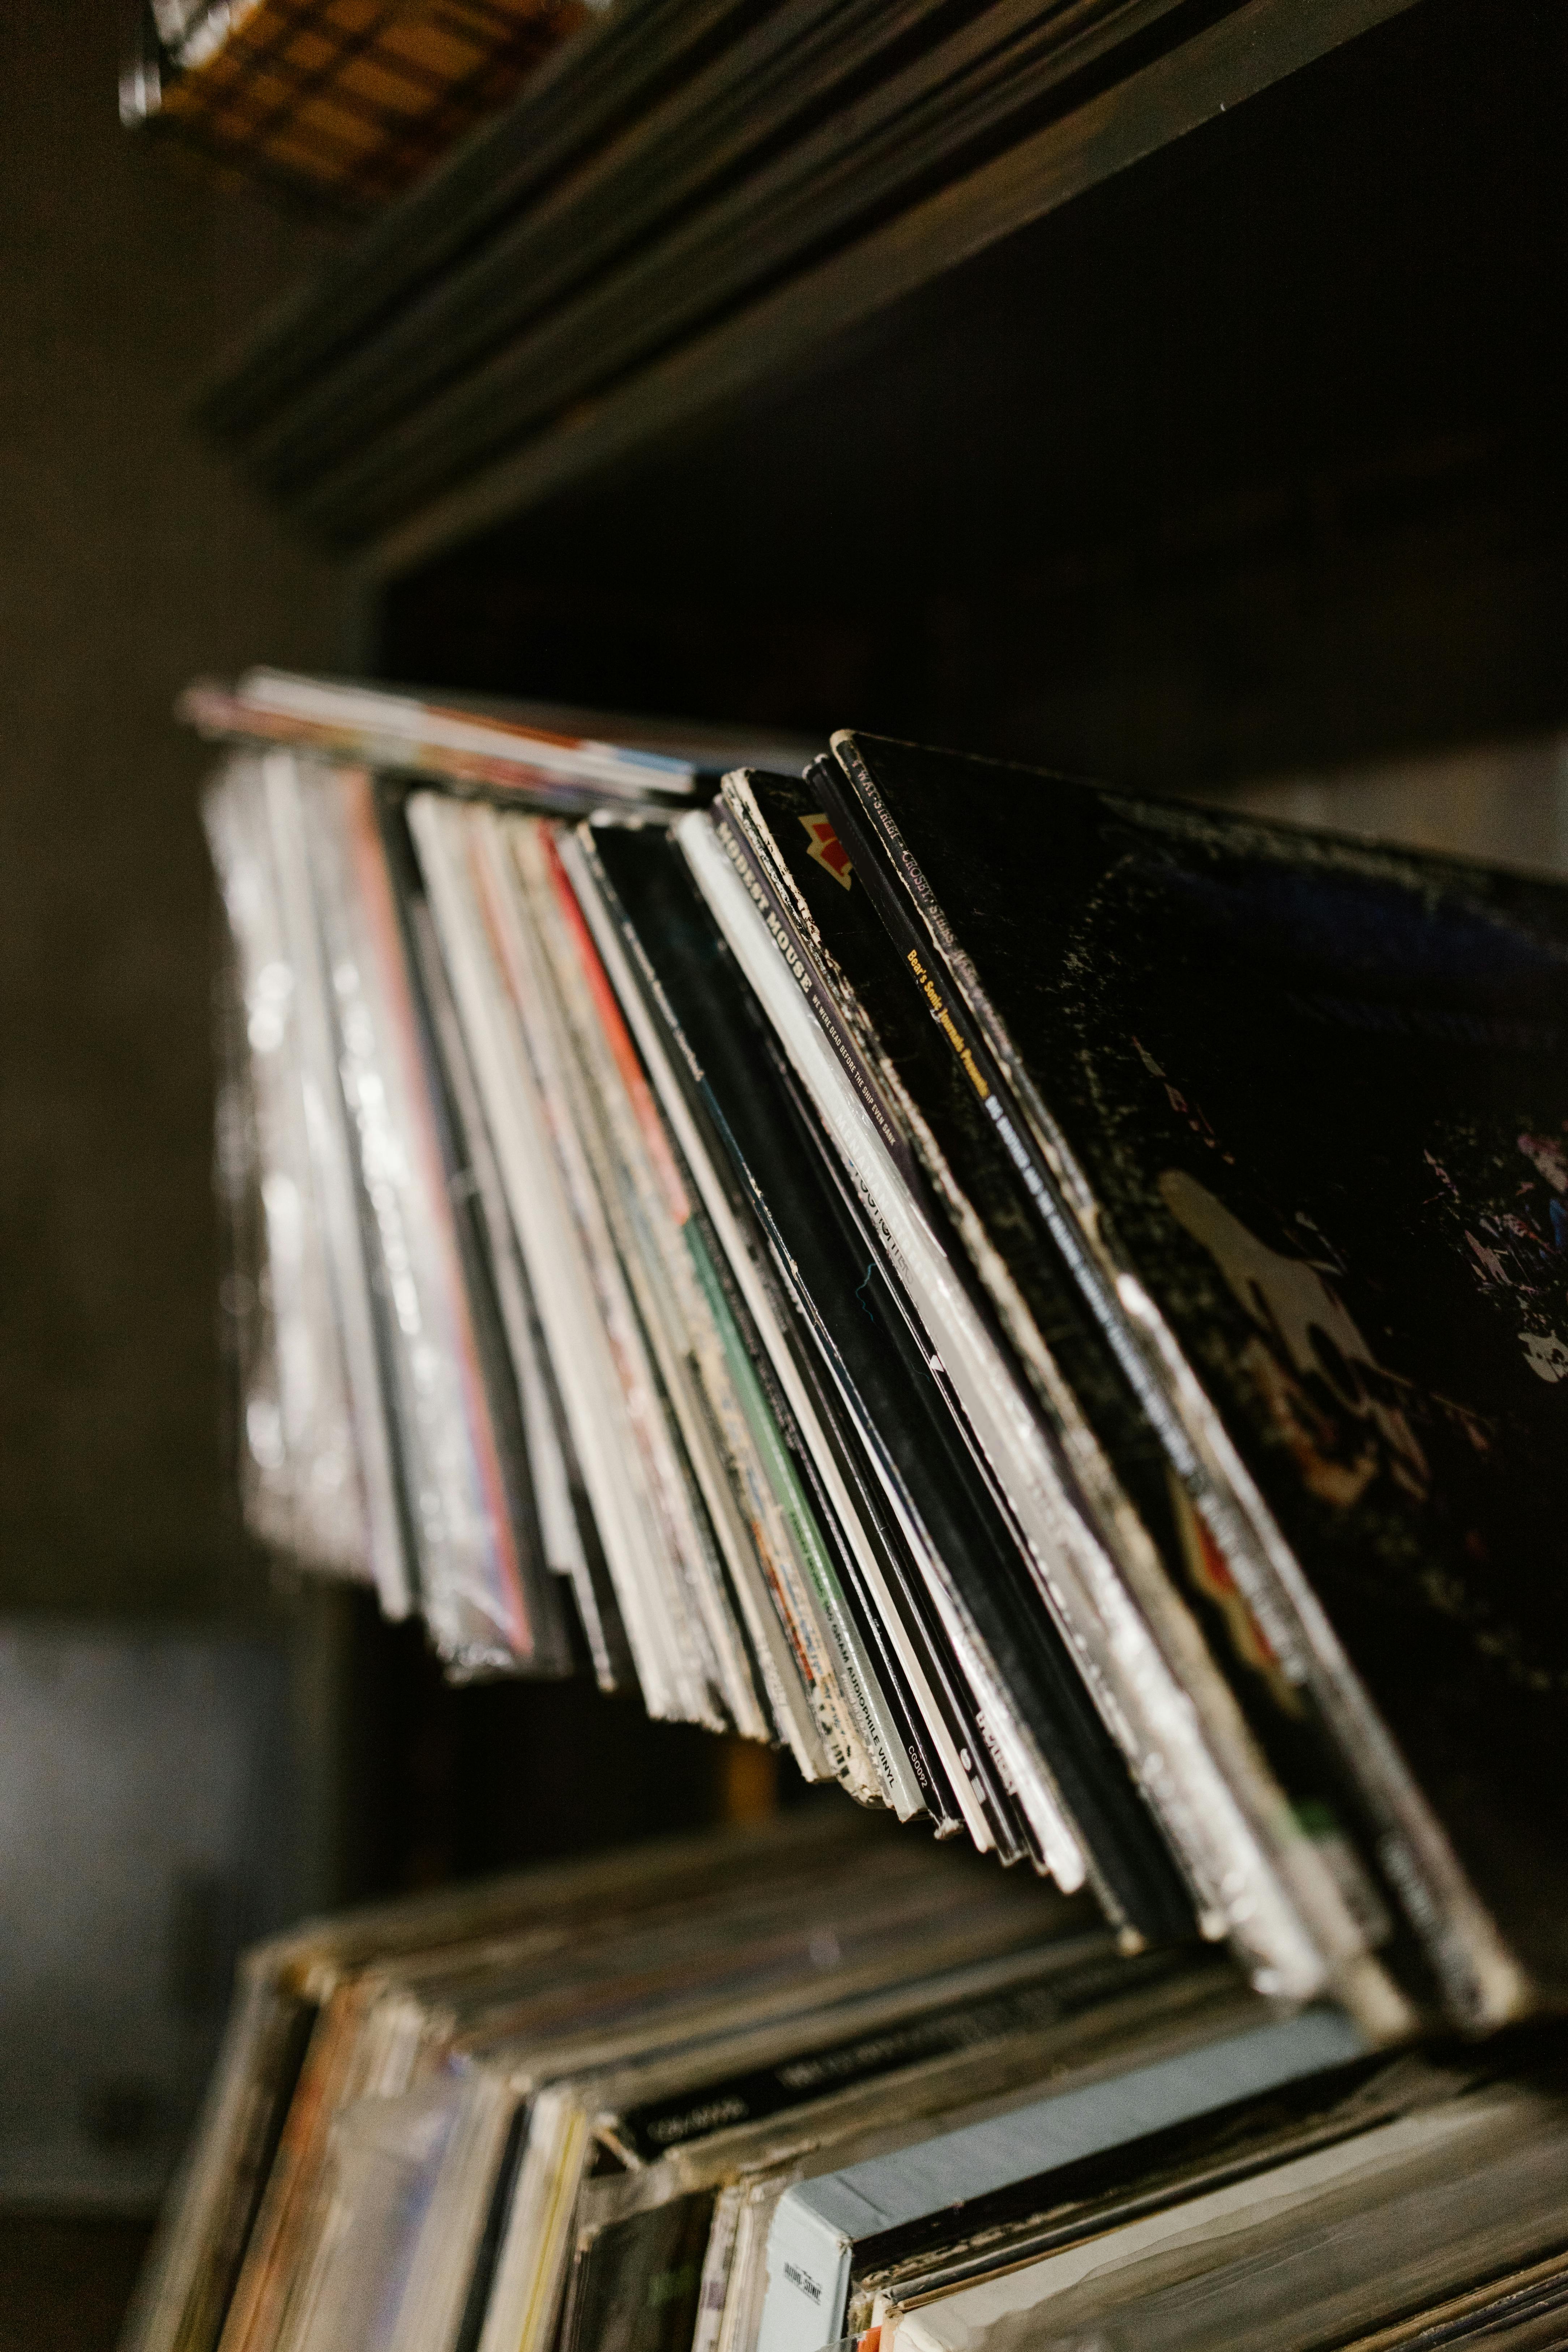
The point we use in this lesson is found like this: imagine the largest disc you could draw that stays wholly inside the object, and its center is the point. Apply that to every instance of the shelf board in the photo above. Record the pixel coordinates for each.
(1248, 461)
(720, 301)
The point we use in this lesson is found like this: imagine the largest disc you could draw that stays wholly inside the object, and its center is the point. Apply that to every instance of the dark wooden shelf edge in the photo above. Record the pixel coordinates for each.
(1231, 61)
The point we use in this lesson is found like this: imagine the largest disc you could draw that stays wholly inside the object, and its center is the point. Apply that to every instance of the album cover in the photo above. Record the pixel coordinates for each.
(1219, 1806)
(828, 2228)
(966, 2052)
(1374, 2228)
(1294, 1098)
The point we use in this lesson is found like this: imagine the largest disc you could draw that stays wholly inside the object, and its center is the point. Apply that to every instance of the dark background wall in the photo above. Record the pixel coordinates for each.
(128, 561)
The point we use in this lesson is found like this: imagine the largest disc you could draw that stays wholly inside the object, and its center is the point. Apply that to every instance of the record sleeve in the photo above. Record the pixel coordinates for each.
(1141, 1699)
(905, 1064)
(1147, 1523)
(901, 1649)
(301, 1482)
(305, 978)
(826, 2230)
(468, 1515)
(1286, 1092)
(1303, 2254)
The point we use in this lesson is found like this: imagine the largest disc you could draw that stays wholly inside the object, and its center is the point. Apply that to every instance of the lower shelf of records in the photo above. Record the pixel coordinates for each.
(820, 2082)
(1048, 1306)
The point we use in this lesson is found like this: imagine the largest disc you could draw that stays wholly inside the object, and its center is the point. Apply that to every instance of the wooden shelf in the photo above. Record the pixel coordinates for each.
(1247, 459)
(823, 163)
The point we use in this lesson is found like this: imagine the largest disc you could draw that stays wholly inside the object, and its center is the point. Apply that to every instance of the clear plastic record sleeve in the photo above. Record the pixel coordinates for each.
(299, 1478)
(467, 1526)
(323, 1427)
(387, 2153)
(490, 964)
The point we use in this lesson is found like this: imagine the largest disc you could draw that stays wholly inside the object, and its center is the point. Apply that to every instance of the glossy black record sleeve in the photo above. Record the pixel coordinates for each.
(999, 1226)
(1096, 1572)
(1306, 1101)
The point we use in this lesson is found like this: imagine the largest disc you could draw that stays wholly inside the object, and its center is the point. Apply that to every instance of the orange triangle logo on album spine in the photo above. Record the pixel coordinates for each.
(827, 849)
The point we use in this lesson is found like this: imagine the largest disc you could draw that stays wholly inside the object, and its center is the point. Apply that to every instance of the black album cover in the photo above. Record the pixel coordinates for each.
(912, 1047)
(1317, 1091)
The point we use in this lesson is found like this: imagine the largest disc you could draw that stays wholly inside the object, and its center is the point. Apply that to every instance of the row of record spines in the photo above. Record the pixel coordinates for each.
(929, 1691)
(574, 103)
(1125, 1897)
(868, 1622)
(1298, 1907)
(1097, 1572)
(456, 1106)
(888, 1627)
(774, 1404)
(1338, 1819)
(1065, 1742)
(917, 1625)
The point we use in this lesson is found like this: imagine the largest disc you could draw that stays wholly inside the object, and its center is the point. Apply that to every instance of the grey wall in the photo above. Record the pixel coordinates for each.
(127, 562)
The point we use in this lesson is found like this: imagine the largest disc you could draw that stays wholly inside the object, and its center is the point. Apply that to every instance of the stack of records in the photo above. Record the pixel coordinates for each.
(1050, 1306)
(742, 2092)
(565, 2108)
(1222, 2200)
